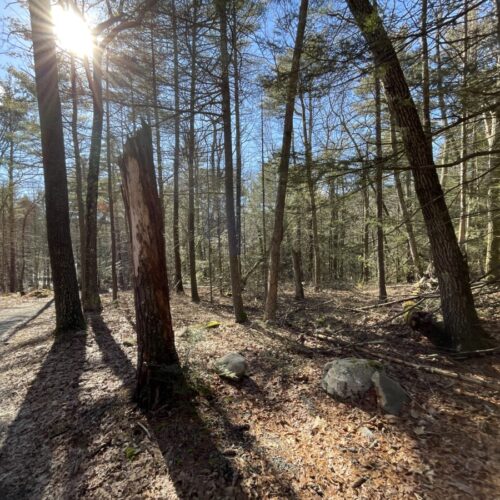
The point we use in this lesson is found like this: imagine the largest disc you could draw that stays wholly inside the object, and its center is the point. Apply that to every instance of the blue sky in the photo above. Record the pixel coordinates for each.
(8, 9)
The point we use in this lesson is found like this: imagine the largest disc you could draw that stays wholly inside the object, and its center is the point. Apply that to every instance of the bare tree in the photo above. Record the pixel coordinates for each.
(234, 266)
(279, 214)
(157, 361)
(67, 300)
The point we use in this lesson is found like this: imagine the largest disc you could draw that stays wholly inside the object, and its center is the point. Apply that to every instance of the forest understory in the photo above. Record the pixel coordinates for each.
(69, 427)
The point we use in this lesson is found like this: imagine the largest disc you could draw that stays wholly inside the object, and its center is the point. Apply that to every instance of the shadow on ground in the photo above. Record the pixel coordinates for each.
(34, 438)
(199, 452)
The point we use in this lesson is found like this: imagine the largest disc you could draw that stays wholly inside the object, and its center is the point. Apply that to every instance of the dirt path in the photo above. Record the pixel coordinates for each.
(12, 313)
(67, 421)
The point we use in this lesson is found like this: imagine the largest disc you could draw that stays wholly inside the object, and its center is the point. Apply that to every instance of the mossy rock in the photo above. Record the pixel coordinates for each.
(232, 366)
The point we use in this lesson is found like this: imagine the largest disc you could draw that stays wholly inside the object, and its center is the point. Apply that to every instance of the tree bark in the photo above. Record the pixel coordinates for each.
(379, 165)
(234, 267)
(263, 185)
(157, 360)
(67, 301)
(307, 133)
(462, 228)
(159, 163)
(366, 225)
(12, 217)
(78, 169)
(493, 241)
(461, 322)
(23, 247)
(90, 292)
(3, 283)
(279, 214)
(191, 160)
(297, 264)
(448, 138)
(239, 166)
(426, 100)
(109, 165)
(177, 137)
(412, 242)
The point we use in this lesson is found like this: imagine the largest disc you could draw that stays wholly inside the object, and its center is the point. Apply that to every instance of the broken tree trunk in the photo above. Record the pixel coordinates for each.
(157, 361)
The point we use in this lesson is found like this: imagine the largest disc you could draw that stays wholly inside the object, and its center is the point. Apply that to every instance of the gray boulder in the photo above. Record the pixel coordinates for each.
(232, 366)
(349, 378)
(390, 395)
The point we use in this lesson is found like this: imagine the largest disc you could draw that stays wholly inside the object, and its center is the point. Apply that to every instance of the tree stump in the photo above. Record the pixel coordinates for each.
(157, 361)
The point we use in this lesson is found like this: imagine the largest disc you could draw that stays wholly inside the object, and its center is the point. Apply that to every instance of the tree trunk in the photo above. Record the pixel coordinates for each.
(493, 241)
(210, 175)
(297, 264)
(23, 247)
(279, 214)
(379, 165)
(78, 169)
(219, 218)
(448, 137)
(312, 191)
(492, 264)
(67, 301)
(157, 361)
(462, 228)
(234, 267)
(177, 136)
(114, 278)
(461, 322)
(157, 124)
(426, 101)
(412, 242)
(366, 225)
(239, 166)
(90, 292)
(263, 185)
(4, 248)
(12, 219)
(191, 160)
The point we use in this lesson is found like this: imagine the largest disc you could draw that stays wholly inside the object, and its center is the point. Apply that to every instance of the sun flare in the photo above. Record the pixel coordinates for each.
(72, 32)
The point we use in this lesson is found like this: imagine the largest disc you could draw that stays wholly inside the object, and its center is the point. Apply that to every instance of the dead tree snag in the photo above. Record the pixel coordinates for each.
(157, 361)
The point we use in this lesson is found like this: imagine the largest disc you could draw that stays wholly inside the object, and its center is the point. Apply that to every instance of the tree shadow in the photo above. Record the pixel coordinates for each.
(112, 353)
(41, 339)
(46, 415)
(194, 452)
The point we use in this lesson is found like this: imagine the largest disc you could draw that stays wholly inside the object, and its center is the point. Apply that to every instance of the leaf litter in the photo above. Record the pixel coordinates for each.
(69, 427)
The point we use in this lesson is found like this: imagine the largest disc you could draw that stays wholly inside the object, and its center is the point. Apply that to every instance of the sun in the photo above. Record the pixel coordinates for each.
(72, 32)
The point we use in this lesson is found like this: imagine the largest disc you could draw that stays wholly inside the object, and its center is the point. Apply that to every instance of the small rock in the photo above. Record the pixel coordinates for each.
(391, 396)
(359, 482)
(232, 366)
(414, 414)
(367, 433)
(392, 419)
(181, 332)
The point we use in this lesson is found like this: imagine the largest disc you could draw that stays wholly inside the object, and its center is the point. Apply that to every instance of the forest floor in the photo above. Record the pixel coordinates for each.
(69, 429)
